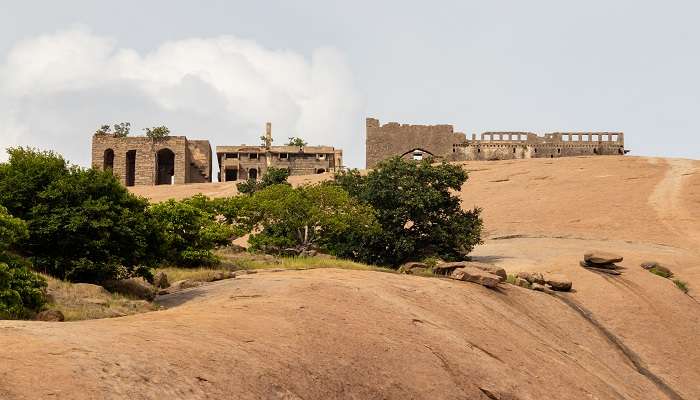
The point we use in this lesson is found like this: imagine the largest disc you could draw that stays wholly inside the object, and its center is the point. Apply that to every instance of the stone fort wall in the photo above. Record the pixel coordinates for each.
(441, 142)
(145, 161)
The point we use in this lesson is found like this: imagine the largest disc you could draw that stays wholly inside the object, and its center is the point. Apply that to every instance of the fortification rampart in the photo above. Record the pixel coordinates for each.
(441, 142)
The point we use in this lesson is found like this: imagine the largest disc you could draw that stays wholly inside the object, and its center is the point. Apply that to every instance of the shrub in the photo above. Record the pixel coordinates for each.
(322, 216)
(190, 231)
(296, 142)
(682, 285)
(106, 228)
(25, 175)
(417, 210)
(660, 272)
(21, 290)
(157, 132)
(272, 176)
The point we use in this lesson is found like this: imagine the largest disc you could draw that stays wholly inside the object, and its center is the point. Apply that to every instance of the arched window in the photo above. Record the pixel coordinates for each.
(165, 167)
(108, 160)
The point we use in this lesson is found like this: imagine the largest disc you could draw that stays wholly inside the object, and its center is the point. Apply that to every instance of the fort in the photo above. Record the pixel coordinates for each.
(243, 162)
(443, 143)
(142, 161)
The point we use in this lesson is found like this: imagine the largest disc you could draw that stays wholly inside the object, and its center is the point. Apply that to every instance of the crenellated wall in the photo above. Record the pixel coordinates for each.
(441, 142)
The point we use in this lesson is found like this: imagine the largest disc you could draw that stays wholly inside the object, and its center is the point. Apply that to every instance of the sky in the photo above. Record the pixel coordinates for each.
(219, 70)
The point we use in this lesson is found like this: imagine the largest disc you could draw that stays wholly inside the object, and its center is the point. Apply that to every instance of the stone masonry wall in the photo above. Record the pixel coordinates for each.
(146, 149)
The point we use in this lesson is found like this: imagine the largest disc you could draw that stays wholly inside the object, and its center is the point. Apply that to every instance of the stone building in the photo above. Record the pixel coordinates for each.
(442, 143)
(138, 160)
(243, 162)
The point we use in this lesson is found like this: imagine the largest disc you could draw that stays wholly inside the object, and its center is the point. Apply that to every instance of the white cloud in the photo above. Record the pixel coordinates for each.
(56, 89)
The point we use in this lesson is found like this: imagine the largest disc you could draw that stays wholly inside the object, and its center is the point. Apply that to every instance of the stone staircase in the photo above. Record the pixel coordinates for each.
(198, 167)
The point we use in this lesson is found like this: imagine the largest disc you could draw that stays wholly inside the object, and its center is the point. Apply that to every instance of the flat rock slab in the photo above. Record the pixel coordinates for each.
(471, 274)
(601, 257)
(446, 268)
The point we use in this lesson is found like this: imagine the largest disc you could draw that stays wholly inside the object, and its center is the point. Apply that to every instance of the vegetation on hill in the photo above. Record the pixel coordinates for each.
(21, 290)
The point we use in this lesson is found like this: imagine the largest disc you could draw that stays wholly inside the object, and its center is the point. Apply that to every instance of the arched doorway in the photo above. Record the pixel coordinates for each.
(108, 160)
(130, 168)
(417, 154)
(320, 171)
(165, 167)
(253, 174)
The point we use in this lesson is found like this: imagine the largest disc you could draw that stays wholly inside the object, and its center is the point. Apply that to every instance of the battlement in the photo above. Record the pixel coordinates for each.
(441, 142)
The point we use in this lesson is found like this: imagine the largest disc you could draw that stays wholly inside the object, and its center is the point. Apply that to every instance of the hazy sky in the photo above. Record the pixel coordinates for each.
(219, 70)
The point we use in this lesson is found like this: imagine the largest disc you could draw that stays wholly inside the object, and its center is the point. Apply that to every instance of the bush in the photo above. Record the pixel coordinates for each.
(157, 132)
(21, 291)
(272, 176)
(319, 216)
(682, 285)
(190, 230)
(418, 213)
(106, 228)
(27, 173)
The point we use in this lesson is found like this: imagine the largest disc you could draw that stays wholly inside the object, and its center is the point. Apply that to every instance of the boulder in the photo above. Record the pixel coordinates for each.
(88, 289)
(589, 265)
(160, 281)
(532, 277)
(559, 284)
(601, 257)
(448, 267)
(522, 283)
(50, 316)
(185, 284)
(412, 267)
(471, 274)
(223, 275)
(649, 264)
(541, 288)
(133, 287)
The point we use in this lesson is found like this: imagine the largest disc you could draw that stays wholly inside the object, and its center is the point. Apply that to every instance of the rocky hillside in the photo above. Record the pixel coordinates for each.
(330, 333)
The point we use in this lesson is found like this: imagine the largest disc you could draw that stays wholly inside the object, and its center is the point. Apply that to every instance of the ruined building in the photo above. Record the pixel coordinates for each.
(146, 161)
(441, 142)
(243, 162)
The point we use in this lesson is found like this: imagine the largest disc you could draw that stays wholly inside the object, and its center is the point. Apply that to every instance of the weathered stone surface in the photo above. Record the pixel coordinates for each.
(540, 288)
(532, 277)
(410, 267)
(185, 284)
(649, 264)
(223, 275)
(95, 301)
(522, 283)
(160, 280)
(586, 264)
(447, 268)
(471, 274)
(558, 283)
(601, 257)
(133, 287)
(50, 316)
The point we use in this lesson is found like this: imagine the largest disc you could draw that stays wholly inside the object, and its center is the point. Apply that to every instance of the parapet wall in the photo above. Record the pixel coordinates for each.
(441, 142)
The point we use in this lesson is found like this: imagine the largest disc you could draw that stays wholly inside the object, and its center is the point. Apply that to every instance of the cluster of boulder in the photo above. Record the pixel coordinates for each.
(487, 275)
(541, 283)
(602, 261)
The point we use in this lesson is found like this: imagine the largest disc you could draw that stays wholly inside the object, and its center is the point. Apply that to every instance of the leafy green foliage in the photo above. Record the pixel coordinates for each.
(660, 272)
(103, 130)
(191, 231)
(417, 210)
(122, 129)
(296, 142)
(158, 132)
(21, 291)
(318, 216)
(25, 175)
(682, 285)
(106, 229)
(272, 176)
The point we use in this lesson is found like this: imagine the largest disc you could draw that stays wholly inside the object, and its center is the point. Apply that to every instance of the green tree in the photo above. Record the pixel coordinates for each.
(272, 176)
(191, 231)
(21, 290)
(319, 216)
(86, 227)
(103, 130)
(25, 175)
(158, 132)
(296, 142)
(122, 129)
(417, 209)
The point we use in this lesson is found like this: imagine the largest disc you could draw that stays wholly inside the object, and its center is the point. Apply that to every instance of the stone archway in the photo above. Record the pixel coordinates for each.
(417, 154)
(108, 160)
(165, 167)
(253, 174)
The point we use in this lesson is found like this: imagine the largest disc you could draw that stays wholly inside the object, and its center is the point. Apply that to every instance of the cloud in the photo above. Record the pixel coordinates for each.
(56, 89)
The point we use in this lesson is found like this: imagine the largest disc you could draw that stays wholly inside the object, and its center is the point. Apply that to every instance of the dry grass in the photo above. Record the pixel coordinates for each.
(307, 263)
(203, 274)
(84, 301)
